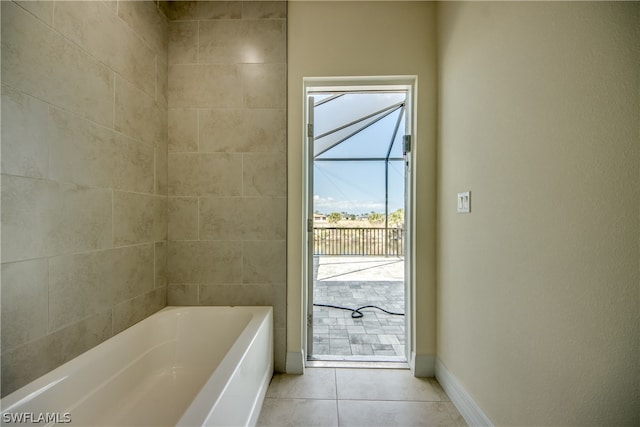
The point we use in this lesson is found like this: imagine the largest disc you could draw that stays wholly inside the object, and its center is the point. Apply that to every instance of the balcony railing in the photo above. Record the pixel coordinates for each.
(358, 241)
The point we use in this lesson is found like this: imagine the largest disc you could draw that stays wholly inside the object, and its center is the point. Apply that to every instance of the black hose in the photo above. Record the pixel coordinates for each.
(355, 312)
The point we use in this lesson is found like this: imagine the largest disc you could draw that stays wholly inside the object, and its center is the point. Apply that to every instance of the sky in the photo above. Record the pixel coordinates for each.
(358, 187)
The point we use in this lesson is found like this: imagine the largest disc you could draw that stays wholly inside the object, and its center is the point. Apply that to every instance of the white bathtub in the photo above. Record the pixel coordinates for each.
(186, 366)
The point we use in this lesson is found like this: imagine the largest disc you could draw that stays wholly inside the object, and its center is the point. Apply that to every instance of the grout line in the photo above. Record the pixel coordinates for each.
(53, 14)
(113, 111)
(198, 42)
(49, 143)
(198, 110)
(242, 159)
(48, 296)
(113, 221)
(155, 257)
(335, 380)
(157, 78)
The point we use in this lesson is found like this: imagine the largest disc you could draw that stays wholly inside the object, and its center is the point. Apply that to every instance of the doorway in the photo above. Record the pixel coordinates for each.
(358, 171)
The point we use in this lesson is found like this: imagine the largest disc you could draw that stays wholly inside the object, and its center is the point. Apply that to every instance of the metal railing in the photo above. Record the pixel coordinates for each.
(358, 241)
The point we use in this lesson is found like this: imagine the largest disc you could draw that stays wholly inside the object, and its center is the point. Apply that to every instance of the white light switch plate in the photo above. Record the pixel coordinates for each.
(464, 202)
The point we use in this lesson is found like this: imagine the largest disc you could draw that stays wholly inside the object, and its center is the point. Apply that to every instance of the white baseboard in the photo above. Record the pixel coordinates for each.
(468, 408)
(423, 365)
(295, 362)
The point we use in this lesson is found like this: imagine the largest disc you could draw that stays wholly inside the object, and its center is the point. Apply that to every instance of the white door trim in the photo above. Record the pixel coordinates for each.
(365, 83)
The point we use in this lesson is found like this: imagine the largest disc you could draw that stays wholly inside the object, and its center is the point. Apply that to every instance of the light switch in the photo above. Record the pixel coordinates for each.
(464, 202)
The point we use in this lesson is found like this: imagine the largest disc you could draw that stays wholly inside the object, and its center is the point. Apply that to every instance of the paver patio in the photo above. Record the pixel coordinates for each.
(354, 282)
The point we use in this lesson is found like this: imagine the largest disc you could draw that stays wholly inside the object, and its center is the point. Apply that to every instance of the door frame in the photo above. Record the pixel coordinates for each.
(410, 84)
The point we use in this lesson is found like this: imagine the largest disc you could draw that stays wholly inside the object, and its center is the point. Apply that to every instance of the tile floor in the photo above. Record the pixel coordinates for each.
(357, 397)
(354, 282)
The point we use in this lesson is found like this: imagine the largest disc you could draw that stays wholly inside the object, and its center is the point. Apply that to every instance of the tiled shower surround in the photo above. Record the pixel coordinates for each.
(143, 162)
(227, 157)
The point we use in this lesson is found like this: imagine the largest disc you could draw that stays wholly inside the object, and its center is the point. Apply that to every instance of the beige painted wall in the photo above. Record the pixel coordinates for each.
(364, 39)
(227, 157)
(538, 295)
(83, 177)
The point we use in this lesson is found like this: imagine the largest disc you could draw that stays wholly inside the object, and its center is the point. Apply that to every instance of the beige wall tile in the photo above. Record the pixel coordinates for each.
(161, 265)
(42, 9)
(264, 9)
(204, 262)
(183, 218)
(178, 294)
(274, 295)
(242, 218)
(205, 174)
(183, 42)
(83, 284)
(222, 42)
(184, 11)
(130, 312)
(112, 5)
(242, 130)
(138, 115)
(87, 154)
(205, 86)
(265, 42)
(144, 18)
(30, 211)
(28, 362)
(40, 62)
(138, 218)
(264, 261)
(84, 222)
(25, 150)
(264, 174)
(183, 130)
(264, 85)
(41, 218)
(24, 302)
(220, 10)
(87, 22)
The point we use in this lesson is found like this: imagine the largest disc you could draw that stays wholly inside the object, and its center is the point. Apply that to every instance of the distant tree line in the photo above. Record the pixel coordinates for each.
(396, 218)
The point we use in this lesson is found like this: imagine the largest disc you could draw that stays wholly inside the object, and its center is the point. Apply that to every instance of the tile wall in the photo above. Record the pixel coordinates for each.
(227, 156)
(84, 177)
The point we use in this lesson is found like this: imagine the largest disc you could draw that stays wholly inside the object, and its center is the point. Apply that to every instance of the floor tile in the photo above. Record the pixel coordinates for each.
(383, 384)
(439, 390)
(357, 397)
(455, 414)
(385, 413)
(298, 412)
(314, 384)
